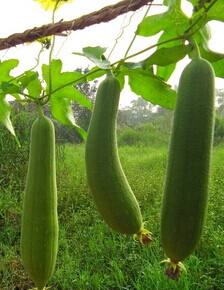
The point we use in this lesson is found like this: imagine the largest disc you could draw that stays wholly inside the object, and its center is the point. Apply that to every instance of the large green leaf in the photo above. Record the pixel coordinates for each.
(5, 110)
(6, 85)
(5, 68)
(165, 72)
(219, 68)
(59, 79)
(153, 24)
(151, 88)
(62, 111)
(172, 22)
(10, 88)
(59, 83)
(35, 88)
(16, 86)
(167, 55)
(216, 12)
(30, 81)
(95, 73)
(27, 77)
(63, 91)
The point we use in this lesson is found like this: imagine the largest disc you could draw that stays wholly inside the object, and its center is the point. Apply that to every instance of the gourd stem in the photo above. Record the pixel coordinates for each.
(195, 52)
(41, 114)
(109, 73)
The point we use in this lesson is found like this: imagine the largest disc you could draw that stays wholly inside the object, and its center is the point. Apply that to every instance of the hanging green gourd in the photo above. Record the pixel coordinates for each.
(39, 231)
(108, 184)
(187, 177)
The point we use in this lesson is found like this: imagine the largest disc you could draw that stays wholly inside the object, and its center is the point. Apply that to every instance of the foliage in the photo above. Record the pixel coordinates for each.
(147, 78)
(54, 83)
(14, 158)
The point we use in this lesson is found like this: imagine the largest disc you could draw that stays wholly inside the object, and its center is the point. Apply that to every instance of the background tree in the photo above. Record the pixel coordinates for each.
(139, 112)
(220, 101)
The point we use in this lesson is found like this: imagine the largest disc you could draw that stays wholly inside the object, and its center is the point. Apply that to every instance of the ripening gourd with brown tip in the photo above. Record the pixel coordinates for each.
(108, 184)
(186, 187)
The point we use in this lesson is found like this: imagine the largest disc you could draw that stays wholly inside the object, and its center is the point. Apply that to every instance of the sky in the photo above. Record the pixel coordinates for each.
(18, 16)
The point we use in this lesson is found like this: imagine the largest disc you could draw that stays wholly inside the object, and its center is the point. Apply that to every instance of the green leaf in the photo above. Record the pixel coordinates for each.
(95, 73)
(60, 81)
(95, 54)
(136, 65)
(27, 77)
(151, 88)
(5, 68)
(171, 52)
(218, 68)
(62, 111)
(63, 92)
(81, 132)
(35, 88)
(121, 79)
(173, 22)
(29, 80)
(166, 58)
(216, 12)
(72, 94)
(5, 110)
(165, 72)
(152, 25)
(9, 88)
(167, 55)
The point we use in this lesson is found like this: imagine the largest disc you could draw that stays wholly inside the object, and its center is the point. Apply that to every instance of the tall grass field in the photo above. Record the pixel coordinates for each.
(92, 256)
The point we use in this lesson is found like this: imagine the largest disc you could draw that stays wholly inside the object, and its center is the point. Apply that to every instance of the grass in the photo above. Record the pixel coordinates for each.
(91, 256)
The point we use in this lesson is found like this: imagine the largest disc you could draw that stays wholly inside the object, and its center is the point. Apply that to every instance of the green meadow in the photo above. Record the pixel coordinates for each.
(92, 256)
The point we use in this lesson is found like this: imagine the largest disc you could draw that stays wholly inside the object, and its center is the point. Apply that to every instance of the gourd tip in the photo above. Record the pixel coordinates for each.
(144, 236)
(173, 271)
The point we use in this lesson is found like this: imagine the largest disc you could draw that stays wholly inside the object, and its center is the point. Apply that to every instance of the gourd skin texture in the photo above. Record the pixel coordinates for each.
(106, 179)
(187, 177)
(39, 232)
